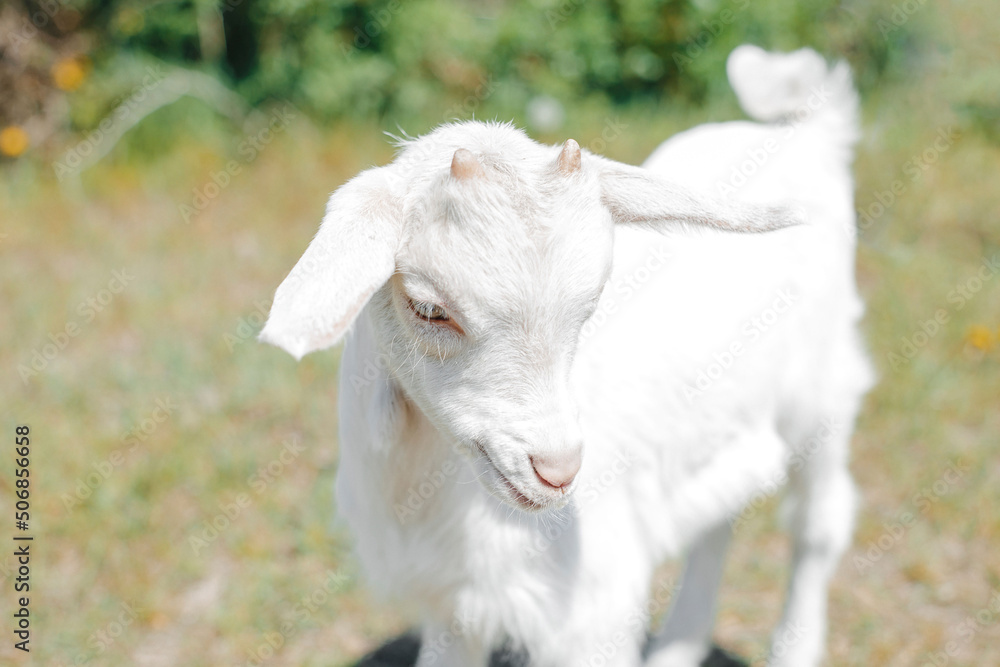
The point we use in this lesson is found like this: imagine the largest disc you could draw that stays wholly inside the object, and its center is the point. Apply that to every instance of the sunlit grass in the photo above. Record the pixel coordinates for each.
(181, 331)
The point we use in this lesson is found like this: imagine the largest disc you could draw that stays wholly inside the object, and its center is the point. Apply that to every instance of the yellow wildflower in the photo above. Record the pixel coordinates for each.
(69, 73)
(13, 141)
(980, 337)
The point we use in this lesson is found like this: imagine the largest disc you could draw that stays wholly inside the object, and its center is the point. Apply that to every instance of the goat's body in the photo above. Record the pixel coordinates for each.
(689, 407)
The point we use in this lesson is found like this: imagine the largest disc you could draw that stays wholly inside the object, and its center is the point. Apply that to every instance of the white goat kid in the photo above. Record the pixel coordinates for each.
(542, 396)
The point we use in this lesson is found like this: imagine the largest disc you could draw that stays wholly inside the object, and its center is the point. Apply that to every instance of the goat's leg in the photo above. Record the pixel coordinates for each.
(602, 618)
(444, 646)
(822, 523)
(686, 637)
(610, 635)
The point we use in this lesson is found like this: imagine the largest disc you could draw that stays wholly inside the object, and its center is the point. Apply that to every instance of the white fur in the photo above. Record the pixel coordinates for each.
(438, 429)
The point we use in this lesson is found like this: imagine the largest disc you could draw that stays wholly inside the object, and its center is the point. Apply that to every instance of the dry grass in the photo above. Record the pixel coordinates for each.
(164, 337)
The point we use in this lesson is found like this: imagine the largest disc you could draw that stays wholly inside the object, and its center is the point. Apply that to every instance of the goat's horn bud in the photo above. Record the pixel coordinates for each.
(465, 165)
(569, 157)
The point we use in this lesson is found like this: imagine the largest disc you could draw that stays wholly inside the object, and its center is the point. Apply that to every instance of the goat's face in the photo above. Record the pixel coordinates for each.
(481, 268)
(481, 316)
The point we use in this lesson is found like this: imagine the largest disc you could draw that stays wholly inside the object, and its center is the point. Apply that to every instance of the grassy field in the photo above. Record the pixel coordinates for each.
(128, 347)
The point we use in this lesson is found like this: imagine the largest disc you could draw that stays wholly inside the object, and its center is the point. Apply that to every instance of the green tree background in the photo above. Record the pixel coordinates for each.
(416, 61)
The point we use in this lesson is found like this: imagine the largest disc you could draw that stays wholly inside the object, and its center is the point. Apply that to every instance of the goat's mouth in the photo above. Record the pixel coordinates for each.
(509, 491)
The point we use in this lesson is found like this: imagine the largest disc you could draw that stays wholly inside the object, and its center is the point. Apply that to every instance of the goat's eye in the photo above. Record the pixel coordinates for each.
(428, 311)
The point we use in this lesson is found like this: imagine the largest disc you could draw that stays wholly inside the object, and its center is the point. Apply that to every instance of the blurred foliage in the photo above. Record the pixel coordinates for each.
(399, 60)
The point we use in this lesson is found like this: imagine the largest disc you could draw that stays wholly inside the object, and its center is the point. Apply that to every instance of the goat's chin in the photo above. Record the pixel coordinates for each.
(502, 488)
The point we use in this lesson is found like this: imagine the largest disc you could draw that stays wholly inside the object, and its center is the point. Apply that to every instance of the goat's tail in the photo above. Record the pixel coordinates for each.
(793, 87)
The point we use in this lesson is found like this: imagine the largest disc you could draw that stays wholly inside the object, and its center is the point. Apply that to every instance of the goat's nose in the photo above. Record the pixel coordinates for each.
(558, 470)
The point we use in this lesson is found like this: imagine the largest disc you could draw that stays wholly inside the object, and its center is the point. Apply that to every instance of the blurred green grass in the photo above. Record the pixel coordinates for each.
(178, 332)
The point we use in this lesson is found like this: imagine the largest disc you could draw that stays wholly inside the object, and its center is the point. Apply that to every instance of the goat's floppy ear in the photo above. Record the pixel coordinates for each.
(636, 196)
(352, 255)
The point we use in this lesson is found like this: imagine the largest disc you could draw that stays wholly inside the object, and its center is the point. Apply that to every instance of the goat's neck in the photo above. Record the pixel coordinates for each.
(388, 441)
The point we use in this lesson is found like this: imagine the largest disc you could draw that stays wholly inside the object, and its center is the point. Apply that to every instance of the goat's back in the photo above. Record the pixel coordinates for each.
(716, 335)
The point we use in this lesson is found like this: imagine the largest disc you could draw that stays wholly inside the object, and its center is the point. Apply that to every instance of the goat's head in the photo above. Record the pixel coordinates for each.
(480, 255)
